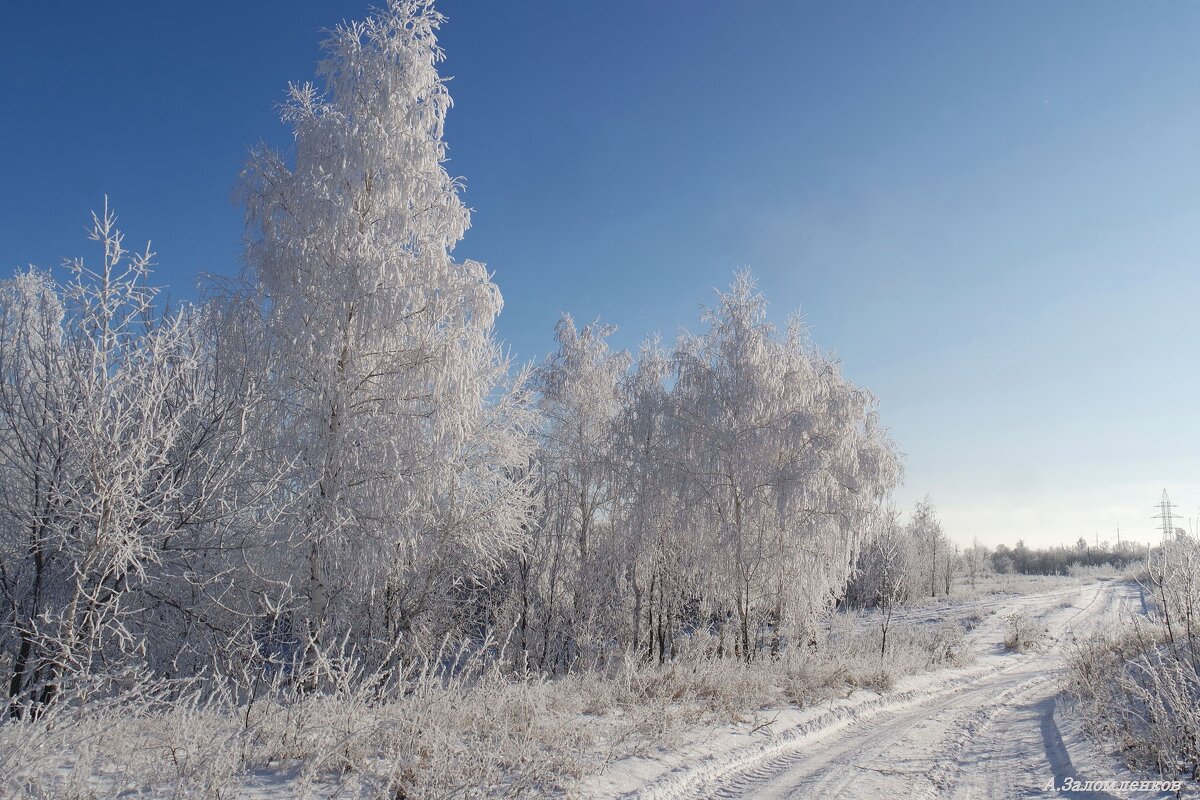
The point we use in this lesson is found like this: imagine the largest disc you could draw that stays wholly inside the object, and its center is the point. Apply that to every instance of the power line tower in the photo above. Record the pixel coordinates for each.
(1167, 515)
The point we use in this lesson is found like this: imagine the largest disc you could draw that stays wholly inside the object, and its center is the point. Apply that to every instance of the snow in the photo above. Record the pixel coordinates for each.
(992, 729)
(319, 536)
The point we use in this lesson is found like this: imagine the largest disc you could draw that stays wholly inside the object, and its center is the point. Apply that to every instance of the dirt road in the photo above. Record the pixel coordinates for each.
(988, 731)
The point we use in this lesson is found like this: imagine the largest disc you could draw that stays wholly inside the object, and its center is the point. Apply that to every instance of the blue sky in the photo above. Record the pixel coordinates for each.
(988, 210)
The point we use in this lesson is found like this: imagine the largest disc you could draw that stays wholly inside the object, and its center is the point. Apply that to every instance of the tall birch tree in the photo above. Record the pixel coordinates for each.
(408, 437)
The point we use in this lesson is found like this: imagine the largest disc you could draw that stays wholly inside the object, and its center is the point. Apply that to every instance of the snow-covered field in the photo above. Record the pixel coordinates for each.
(990, 730)
(803, 725)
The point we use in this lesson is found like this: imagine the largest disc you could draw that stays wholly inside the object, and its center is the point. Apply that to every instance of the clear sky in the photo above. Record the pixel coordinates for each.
(988, 210)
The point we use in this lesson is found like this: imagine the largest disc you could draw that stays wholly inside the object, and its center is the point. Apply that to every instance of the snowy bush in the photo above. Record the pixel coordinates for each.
(1138, 690)
(477, 731)
(425, 728)
(1140, 699)
(1094, 571)
(1023, 634)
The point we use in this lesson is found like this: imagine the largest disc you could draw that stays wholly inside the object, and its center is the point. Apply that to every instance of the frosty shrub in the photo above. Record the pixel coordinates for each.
(107, 734)
(1138, 690)
(1023, 634)
(474, 731)
(1139, 699)
(1095, 571)
(455, 724)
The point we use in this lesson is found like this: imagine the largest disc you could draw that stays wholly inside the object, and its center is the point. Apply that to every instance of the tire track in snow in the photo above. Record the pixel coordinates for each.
(848, 749)
(1032, 723)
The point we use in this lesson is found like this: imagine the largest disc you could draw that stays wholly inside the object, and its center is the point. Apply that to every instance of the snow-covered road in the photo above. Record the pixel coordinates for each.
(985, 731)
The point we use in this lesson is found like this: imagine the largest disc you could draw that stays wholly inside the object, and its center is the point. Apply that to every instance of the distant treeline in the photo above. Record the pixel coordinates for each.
(1058, 560)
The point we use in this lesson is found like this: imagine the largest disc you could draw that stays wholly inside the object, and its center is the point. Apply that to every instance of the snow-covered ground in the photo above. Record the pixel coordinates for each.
(993, 729)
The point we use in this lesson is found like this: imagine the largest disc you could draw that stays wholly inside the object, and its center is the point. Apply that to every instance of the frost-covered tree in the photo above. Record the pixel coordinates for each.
(408, 439)
(931, 545)
(579, 399)
(655, 555)
(976, 560)
(34, 397)
(784, 464)
(1173, 574)
(122, 470)
(885, 566)
(725, 487)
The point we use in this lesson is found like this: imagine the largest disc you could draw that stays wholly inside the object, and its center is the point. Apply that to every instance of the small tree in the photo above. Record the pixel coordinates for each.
(926, 531)
(976, 560)
(893, 569)
(780, 460)
(578, 397)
